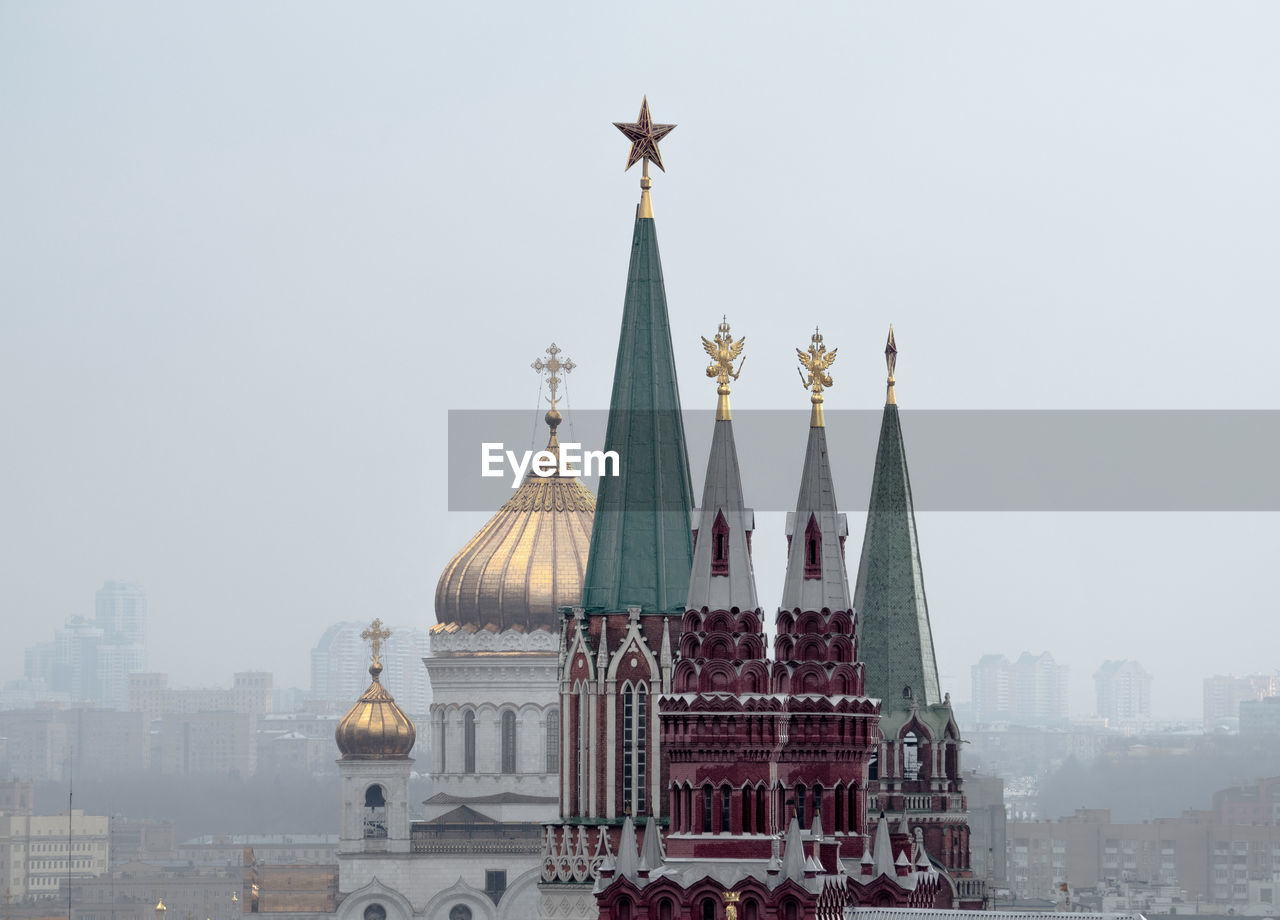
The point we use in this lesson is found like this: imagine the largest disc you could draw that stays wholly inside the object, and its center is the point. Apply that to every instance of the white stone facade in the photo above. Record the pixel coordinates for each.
(495, 716)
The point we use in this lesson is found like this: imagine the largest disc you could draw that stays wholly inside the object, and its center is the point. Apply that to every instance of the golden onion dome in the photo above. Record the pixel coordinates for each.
(527, 562)
(375, 728)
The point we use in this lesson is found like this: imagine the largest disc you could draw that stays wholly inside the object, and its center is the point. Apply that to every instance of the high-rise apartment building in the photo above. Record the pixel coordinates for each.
(1124, 692)
(1030, 691)
(90, 660)
(340, 662)
(1224, 694)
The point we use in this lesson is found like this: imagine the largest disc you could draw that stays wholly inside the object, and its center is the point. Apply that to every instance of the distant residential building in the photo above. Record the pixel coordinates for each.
(276, 849)
(988, 826)
(131, 890)
(1220, 856)
(120, 610)
(1124, 692)
(1031, 691)
(90, 660)
(39, 852)
(17, 797)
(1260, 717)
(250, 693)
(43, 744)
(1224, 694)
(340, 667)
(207, 742)
(141, 840)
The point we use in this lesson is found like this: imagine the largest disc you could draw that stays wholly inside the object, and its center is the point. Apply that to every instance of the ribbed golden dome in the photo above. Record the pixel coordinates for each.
(375, 728)
(527, 562)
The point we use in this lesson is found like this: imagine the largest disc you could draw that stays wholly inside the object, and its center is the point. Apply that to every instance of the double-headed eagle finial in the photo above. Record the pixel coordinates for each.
(816, 361)
(723, 351)
(644, 136)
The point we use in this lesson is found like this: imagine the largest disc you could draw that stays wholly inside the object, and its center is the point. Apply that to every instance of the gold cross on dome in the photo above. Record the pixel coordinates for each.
(375, 635)
(553, 367)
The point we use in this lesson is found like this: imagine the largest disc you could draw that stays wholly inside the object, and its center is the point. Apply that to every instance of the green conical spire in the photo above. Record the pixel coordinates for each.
(896, 641)
(641, 543)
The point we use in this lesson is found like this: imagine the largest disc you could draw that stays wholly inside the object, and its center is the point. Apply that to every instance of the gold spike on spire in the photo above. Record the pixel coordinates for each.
(891, 360)
(644, 136)
(816, 361)
(553, 367)
(723, 351)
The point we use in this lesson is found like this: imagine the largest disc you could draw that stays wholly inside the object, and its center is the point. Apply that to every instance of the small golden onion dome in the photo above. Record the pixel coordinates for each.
(375, 728)
(527, 562)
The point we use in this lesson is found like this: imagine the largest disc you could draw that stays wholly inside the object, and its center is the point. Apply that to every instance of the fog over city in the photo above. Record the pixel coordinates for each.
(255, 253)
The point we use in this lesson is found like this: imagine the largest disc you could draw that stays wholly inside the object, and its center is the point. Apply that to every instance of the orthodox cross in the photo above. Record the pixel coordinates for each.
(723, 352)
(816, 361)
(375, 635)
(553, 367)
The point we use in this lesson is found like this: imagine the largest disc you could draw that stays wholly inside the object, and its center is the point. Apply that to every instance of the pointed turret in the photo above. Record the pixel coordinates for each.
(816, 576)
(628, 862)
(651, 849)
(641, 540)
(793, 861)
(882, 851)
(896, 640)
(723, 577)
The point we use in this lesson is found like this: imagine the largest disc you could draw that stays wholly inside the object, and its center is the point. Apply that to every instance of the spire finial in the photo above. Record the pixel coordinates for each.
(890, 360)
(553, 367)
(376, 635)
(644, 136)
(723, 351)
(816, 361)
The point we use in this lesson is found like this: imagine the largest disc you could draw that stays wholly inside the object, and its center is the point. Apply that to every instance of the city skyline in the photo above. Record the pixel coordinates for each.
(244, 296)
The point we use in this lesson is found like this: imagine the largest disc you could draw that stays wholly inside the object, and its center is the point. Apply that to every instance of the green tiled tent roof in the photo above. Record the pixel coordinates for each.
(896, 642)
(641, 543)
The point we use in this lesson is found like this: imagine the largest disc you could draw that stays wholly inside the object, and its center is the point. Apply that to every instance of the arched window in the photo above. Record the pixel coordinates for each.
(623, 911)
(817, 802)
(812, 549)
(840, 814)
(508, 742)
(706, 809)
(708, 909)
(910, 756)
(375, 813)
(750, 910)
(469, 742)
(442, 740)
(553, 740)
(584, 749)
(666, 910)
(720, 546)
(800, 803)
(725, 798)
(635, 719)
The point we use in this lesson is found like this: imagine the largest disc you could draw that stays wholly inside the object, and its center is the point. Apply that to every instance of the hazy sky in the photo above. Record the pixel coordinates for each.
(252, 253)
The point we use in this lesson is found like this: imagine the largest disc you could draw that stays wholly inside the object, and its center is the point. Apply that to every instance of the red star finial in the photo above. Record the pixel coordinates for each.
(644, 136)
